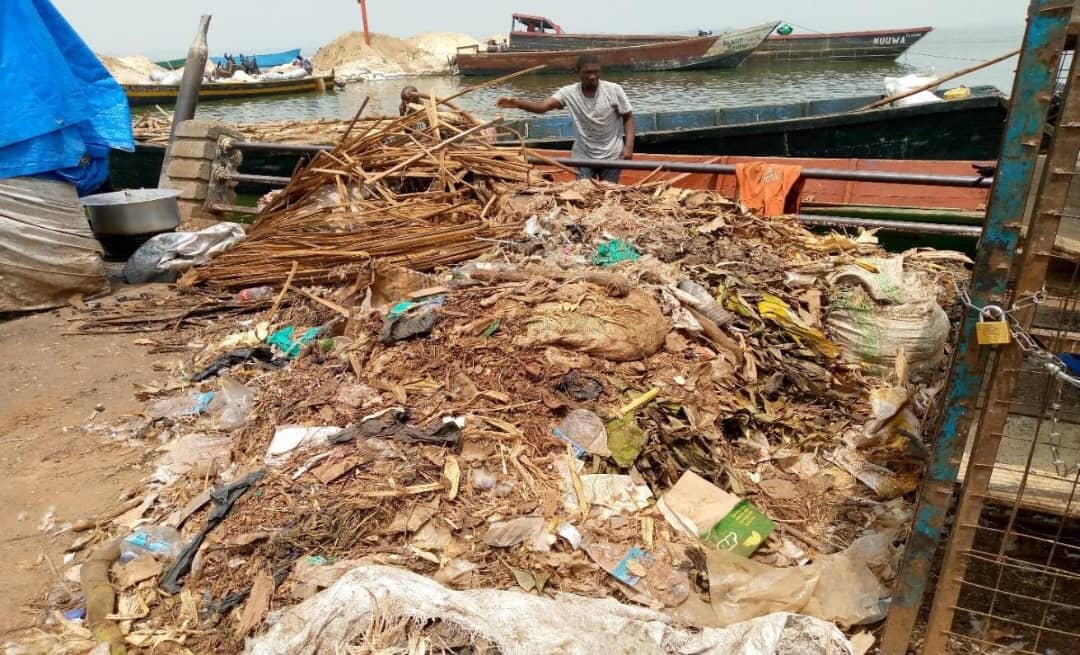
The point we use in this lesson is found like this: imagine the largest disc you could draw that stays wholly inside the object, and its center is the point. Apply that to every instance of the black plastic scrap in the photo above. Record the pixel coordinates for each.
(580, 387)
(224, 498)
(392, 424)
(407, 327)
(232, 358)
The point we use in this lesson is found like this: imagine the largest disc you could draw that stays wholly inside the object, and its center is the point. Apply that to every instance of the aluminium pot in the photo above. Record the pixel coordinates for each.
(124, 220)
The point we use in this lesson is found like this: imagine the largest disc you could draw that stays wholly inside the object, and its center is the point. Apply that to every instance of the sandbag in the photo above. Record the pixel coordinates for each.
(617, 329)
(516, 623)
(47, 252)
(897, 85)
(873, 316)
(165, 256)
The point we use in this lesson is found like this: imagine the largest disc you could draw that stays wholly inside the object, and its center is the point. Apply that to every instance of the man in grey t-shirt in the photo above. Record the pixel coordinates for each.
(603, 117)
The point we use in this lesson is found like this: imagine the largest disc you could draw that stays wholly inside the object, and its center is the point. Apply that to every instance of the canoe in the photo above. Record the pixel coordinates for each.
(165, 94)
(877, 45)
(966, 129)
(881, 45)
(268, 60)
(709, 52)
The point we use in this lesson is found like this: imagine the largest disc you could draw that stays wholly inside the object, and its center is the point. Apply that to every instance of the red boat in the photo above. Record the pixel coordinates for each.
(707, 52)
(879, 202)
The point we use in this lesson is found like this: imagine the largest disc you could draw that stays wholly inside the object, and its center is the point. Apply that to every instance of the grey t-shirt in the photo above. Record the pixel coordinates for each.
(598, 127)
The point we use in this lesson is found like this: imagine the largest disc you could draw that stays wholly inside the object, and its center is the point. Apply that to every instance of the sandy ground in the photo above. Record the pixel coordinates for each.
(48, 459)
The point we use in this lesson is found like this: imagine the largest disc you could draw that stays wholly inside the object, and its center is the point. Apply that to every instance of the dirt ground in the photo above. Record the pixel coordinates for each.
(51, 458)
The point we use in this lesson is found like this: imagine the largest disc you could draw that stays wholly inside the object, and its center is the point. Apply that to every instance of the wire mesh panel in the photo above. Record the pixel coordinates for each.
(1010, 577)
(1031, 104)
(1019, 579)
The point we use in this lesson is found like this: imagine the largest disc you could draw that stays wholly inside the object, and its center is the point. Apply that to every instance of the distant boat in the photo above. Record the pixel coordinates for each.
(165, 94)
(707, 52)
(969, 128)
(542, 33)
(882, 45)
(268, 60)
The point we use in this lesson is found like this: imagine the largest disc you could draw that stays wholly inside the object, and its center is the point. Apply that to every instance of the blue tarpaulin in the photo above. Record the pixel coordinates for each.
(62, 109)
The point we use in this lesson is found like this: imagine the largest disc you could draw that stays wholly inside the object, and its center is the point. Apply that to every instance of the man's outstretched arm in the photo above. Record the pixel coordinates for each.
(533, 106)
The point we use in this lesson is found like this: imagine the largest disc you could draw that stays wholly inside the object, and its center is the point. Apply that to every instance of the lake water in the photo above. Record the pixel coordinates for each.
(943, 50)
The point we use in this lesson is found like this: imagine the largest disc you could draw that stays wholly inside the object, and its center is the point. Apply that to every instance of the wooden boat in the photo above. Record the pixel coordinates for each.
(268, 60)
(882, 45)
(165, 94)
(708, 52)
(542, 33)
(966, 129)
(885, 202)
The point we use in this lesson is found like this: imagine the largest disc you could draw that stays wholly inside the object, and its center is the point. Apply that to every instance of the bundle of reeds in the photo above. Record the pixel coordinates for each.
(419, 190)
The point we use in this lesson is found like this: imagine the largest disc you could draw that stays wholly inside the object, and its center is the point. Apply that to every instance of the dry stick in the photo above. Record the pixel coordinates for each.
(938, 81)
(551, 162)
(682, 176)
(281, 294)
(654, 173)
(440, 146)
(348, 129)
(494, 82)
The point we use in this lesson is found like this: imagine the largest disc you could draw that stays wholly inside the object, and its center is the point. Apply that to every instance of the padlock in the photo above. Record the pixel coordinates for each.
(992, 328)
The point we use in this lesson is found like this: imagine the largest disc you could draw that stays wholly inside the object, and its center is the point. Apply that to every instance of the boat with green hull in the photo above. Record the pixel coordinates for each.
(966, 129)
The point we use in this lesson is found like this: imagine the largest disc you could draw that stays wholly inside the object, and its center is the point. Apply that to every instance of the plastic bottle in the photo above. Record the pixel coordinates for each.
(255, 294)
(708, 306)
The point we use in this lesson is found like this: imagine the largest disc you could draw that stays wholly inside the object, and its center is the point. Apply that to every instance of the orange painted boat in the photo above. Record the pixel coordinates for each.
(841, 198)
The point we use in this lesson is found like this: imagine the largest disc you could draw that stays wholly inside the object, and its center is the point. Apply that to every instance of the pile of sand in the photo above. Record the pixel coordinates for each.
(442, 45)
(129, 70)
(426, 54)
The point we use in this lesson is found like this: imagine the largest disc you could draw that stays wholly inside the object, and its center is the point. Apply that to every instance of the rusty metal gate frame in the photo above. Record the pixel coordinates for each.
(1044, 41)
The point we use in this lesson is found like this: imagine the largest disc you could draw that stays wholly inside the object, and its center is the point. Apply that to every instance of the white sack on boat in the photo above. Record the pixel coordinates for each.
(897, 85)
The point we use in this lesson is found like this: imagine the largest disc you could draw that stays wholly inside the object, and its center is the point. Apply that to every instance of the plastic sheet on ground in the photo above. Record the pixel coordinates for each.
(47, 252)
(163, 257)
(516, 623)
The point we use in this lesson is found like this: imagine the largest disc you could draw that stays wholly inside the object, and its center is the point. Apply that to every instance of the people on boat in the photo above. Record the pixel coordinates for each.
(303, 62)
(410, 95)
(603, 117)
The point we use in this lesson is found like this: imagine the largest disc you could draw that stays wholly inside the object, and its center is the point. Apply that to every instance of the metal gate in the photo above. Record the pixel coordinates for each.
(1009, 575)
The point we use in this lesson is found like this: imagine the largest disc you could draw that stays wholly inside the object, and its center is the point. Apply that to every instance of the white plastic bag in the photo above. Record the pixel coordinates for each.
(897, 85)
(164, 256)
(515, 623)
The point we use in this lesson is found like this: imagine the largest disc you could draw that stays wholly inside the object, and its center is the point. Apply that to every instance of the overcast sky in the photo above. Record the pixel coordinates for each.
(164, 28)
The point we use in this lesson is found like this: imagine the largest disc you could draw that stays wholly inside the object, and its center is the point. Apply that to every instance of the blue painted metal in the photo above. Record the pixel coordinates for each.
(1035, 81)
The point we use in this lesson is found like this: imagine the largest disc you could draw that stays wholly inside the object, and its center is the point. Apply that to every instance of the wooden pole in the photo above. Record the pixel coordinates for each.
(940, 80)
(363, 14)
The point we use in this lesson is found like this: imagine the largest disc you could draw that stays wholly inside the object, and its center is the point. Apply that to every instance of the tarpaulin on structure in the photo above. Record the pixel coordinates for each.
(62, 109)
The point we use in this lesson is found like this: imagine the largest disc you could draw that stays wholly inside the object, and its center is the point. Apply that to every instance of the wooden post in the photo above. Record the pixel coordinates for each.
(363, 14)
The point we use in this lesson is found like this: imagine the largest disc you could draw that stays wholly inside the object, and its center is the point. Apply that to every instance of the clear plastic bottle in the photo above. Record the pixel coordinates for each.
(255, 294)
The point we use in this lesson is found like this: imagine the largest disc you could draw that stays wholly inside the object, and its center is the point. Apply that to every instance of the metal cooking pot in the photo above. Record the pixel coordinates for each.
(134, 212)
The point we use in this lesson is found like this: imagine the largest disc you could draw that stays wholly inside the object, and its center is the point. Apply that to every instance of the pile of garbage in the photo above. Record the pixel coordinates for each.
(607, 411)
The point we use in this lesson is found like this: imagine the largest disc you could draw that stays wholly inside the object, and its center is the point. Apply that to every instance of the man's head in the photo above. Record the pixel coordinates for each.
(409, 94)
(588, 68)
